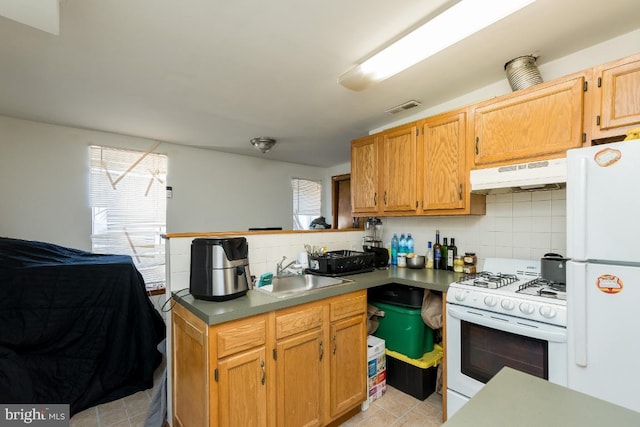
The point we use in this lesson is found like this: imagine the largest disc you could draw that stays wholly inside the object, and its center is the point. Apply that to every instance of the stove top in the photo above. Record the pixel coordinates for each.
(544, 289)
(512, 287)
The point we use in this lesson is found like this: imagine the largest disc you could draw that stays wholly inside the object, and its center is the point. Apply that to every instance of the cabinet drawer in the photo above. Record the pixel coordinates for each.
(348, 306)
(298, 321)
(241, 336)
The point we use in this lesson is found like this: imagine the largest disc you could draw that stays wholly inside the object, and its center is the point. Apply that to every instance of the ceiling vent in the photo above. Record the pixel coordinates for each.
(403, 107)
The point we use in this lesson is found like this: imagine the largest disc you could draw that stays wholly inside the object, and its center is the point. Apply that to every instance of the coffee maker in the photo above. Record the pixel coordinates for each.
(219, 268)
(372, 242)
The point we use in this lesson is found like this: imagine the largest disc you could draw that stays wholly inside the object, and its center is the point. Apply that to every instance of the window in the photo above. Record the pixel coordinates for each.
(128, 206)
(307, 196)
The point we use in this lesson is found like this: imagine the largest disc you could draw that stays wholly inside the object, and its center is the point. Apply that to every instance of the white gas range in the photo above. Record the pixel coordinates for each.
(512, 287)
(506, 315)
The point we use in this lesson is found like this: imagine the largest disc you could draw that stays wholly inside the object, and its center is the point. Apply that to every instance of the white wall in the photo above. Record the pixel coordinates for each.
(45, 196)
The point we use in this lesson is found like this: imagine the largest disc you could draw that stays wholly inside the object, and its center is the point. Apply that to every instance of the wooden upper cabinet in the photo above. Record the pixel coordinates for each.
(398, 170)
(616, 98)
(364, 175)
(542, 121)
(444, 181)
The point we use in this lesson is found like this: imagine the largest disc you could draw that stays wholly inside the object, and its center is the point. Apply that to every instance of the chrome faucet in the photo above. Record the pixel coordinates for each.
(280, 269)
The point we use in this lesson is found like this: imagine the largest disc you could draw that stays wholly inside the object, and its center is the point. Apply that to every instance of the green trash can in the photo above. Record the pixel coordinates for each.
(404, 330)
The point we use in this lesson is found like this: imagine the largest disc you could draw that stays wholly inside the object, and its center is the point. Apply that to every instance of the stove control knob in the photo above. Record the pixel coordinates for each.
(460, 296)
(490, 301)
(507, 304)
(527, 308)
(548, 312)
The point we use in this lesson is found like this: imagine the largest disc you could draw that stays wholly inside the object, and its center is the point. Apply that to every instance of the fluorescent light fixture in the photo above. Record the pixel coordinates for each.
(454, 24)
(41, 14)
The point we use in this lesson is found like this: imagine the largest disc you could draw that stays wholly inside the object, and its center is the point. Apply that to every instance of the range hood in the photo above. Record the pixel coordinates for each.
(538, 175)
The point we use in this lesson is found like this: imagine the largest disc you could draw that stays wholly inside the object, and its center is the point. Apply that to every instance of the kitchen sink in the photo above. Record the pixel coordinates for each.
(283, 286)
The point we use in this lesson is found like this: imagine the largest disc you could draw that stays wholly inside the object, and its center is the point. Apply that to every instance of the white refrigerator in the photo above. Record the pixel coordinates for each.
(603, 275)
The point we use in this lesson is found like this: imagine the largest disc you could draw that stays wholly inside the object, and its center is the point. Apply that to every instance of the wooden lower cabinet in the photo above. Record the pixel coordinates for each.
(348, 386)
(242, 390)
(299, 380)
(189, 370)
(299, 366)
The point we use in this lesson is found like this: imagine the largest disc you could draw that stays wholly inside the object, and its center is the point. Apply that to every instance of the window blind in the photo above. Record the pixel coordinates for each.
(128, 204)
(307, 198)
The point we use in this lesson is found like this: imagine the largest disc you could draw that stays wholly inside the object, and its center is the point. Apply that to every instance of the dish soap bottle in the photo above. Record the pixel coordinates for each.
(429, 255)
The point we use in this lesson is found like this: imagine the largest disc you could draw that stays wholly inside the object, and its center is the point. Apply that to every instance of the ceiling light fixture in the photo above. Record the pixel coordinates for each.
(454, 24)
(263, 143)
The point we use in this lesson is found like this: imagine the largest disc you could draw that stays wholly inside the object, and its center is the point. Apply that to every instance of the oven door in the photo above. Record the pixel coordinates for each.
(480, 343)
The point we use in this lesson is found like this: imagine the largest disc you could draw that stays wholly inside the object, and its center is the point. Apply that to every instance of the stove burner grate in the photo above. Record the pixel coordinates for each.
(546, 289)
(486, 279)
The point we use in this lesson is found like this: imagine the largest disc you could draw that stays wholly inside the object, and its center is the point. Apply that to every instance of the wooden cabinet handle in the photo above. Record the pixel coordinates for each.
(385, 198)
(460, 192)
(477, 140)
(264, 372)
(335, 345)
(375, 199)
(321, 350)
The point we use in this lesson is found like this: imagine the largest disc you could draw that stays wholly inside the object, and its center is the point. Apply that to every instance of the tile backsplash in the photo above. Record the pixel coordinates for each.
(517, 225)
(265, 251)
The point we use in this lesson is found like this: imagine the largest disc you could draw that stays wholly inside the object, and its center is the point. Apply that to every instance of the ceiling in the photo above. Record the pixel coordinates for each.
(215, 74)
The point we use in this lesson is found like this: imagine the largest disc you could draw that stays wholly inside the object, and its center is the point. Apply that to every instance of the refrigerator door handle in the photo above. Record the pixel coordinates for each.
(579, 222)
(579, 282)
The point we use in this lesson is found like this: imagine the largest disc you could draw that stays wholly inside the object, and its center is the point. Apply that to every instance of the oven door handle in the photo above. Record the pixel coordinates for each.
(508, 324)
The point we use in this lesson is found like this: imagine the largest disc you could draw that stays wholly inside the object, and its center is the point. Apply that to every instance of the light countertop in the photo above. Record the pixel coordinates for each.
(257, 302)
(513, 398)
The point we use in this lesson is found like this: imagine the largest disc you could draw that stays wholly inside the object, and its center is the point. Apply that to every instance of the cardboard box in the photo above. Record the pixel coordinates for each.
(377, 368)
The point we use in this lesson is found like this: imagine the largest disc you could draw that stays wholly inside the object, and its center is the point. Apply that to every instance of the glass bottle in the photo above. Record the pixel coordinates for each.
(436, 251)
(452, 252)
(444, 254)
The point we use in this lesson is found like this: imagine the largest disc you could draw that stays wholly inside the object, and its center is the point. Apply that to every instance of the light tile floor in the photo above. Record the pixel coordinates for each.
(130, 411)
(396, 409)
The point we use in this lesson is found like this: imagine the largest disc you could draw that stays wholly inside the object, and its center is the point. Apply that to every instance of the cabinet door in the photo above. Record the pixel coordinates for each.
(619, 95)
(348, 364)
(242, 396)
(541, 121)
(398, 172)
(299, 380)
(190, 369)
(444, 174)
(364, 175)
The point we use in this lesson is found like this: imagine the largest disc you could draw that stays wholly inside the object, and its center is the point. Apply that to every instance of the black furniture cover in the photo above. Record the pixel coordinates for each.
(75, 327)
